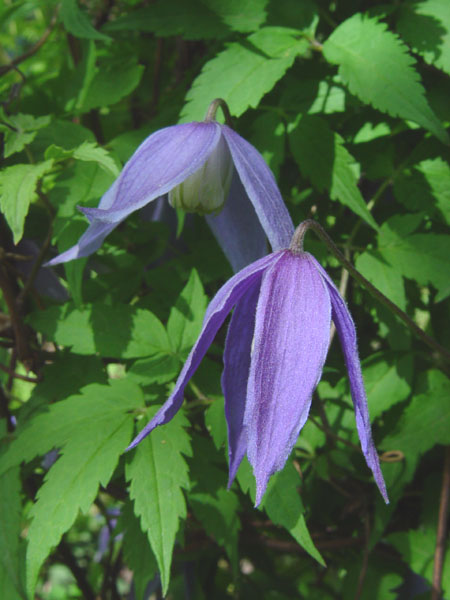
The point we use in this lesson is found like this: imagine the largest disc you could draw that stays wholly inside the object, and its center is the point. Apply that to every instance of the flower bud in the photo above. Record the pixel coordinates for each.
(206, 190)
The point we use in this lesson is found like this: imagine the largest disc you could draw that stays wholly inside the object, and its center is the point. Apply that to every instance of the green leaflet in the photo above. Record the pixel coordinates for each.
(377, 68)
(20, 131)
(378, 271)
(88, 152)
(17, 191)
(186, 317)
(323, 158)
(136, 332)
(245, 71)
(88, 458)
(425, 26)
(77, 22)
(157, 472)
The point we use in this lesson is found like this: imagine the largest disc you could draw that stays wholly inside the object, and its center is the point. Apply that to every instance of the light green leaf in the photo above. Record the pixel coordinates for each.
(11, 583)
(377, 68)
(425, 26)
(215, 422)
(156, 369)
(20, 131)
(77, 22)
(17, 191)
(423, 257)
(244, 72)
(119, 331)
(426, 187)
(88, 459)
(157, 473)
(186, 317)
(87, 151)
(374, 267)
(323, 158)
(68, 419)
(239, 15)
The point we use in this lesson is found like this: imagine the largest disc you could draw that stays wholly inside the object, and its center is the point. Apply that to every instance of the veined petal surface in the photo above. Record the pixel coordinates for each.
(292, 333)
(161, 162)
(262, 190)
(237, 228)
(346, 330)
(215, 315)
(236, 367)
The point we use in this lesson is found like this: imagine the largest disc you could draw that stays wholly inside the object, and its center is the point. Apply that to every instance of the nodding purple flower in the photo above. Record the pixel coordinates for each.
(203, 167)
(275, 350)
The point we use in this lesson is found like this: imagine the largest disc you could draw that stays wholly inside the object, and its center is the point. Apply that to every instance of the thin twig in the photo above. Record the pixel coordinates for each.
(439, 553)
(35, 268)
(365, 561)
(18, 375)
(16, 61)
(343, 284)
(21, 341)
(68, 559)
(329, 432)
(297, 246)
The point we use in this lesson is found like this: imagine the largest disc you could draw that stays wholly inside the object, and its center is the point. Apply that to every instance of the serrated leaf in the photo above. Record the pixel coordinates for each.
(374, 267)
(135, 332)
(11, 583)
(239, 15)
(77, 22)
(17, 191)
(21, 130)
(244, 71)
(186, 317)
(88, 152)
(423, 257)
(377, 68)
(282, 503)
(425, 26)
(323, 158)
(69, 419)
(215, 422)
(157, 473)
(156, 369)
(88, 459)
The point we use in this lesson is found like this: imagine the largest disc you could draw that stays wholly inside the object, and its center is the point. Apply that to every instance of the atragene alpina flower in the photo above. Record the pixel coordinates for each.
(275, 350)
(204, 167)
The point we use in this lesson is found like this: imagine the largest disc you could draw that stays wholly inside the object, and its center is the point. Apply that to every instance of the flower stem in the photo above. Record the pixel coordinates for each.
(297, 247)
(212, 111)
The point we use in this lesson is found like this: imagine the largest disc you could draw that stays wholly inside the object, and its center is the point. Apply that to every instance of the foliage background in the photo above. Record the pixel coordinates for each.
(348, 102)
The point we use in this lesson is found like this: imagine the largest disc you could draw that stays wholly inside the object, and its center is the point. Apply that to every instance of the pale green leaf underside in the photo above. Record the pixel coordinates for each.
(17, 191)
(244, 71)
(157, 473)
(377, 68)
(323, 158)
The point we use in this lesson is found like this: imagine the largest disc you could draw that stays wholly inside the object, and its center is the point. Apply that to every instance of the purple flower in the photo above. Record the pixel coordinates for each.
(204, 167)
(275, 350)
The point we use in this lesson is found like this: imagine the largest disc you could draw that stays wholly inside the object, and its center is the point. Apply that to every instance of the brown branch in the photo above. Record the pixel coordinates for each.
(16, 61)
(68, 559)
(18, 375)
(21, 341)
(439, 553)
(365, 560)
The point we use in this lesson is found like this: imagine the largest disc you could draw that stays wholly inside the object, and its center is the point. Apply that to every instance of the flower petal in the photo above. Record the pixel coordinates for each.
(292, 333)
(215, 315)
(237, 228)
(262, 190)
(161, 162)
(236, 360)
(346, 330)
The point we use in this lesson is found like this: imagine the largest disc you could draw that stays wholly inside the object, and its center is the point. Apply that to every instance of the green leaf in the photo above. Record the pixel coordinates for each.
(156, 369)
(377, 68)
(17, 191)
(215, 422)
(186, 317)
(426, 187)
(423, 257)
(374, 267)
(417, 549)
(282, 502)
(323, 158)
(239, 15)
(71, 418)
(136, 551)
(269, 136)
(244, 71)
(77, 22)
(21, 130)
(157, 472)
(425, 26)
(11, 582)
(88, 152)
(135, 332)
(88, 458)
